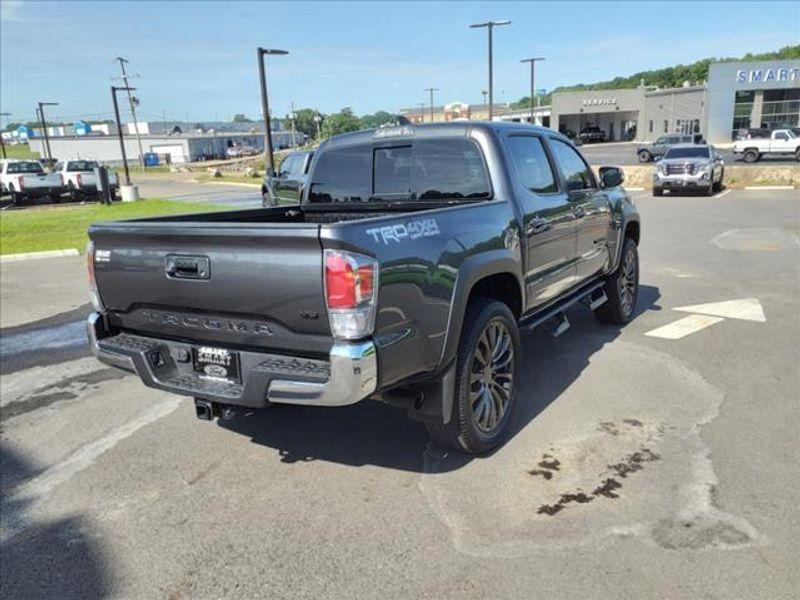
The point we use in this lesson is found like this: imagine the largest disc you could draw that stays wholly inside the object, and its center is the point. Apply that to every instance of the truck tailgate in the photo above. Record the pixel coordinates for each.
(257, 286)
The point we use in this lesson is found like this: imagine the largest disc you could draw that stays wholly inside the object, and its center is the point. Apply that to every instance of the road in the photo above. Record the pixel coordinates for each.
(643, 464)
(625, 154)
(180, 187)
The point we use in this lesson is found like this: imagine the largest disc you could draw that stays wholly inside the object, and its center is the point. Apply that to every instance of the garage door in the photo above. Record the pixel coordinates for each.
(175, 152)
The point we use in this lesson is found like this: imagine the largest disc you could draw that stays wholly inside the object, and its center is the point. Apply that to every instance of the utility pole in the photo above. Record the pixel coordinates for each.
(490, 25)
(2, 141)
(270, 159)
(122, 62)
(292, 115)
(532, 62)
(484, 92)
(431, 90)
(421, 112)
(318, 121)
(114, 91)
(44, 126)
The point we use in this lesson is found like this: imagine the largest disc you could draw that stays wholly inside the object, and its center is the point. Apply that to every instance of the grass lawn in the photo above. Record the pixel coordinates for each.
(20, 151)
(230, 178)
(62, 227)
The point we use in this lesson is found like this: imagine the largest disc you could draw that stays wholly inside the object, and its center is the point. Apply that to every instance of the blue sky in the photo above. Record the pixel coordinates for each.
(198, 59)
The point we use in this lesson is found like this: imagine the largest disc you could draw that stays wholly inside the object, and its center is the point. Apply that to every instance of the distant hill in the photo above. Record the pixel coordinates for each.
(695, 73)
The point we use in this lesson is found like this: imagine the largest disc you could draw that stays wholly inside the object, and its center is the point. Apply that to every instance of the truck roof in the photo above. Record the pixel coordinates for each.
(432, 130)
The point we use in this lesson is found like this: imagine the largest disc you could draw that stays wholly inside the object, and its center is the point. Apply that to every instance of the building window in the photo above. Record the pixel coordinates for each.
(742, 111)
(666, 126)
(651, 126)
(781, 108)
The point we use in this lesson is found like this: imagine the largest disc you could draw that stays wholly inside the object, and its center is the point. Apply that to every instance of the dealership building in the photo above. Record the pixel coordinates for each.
(737, 96)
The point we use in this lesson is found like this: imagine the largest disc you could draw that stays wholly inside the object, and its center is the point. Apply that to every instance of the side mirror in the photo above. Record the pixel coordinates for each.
(611, 176)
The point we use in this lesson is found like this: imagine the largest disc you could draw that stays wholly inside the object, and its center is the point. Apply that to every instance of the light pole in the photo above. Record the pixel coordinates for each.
(270, 165)
(44, 126)
(114, 91)
(2, 129)
(484, 92)
(292, 115)
(431, 90)
(122, 62)
(533, 62)
(490, 25)
(421, 112)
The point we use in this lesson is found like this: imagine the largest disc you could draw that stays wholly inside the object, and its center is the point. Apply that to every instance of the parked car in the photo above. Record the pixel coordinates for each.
(404, 276)
(781, 142)
(689, 167)
(288, 183)
(592, 135)
(240, 151)
(654, 151)
(26, 179)
(79, 180)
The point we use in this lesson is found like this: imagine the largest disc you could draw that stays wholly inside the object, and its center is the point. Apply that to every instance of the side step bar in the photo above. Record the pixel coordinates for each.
(591, 295)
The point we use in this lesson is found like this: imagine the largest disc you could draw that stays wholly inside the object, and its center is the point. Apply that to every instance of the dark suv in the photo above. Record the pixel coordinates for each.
(657, 149)
(592, 134)
(287, 185)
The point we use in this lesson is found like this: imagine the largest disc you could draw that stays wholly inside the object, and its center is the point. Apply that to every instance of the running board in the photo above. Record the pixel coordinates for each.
(592, 295)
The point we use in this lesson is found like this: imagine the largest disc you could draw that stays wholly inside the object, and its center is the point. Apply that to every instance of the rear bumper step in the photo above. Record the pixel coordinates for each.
(350, 374)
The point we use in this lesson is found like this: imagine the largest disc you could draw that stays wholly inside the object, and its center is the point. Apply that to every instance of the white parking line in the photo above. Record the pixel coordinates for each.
(33, 491)
(747, 309)
(683, 327)
(723, 193)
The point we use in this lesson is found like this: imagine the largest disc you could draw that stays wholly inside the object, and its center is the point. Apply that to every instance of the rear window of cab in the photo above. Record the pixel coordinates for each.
(424, 170)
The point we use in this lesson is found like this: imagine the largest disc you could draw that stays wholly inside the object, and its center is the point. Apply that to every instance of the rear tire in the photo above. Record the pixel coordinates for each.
(657, 191)
(751, 156)
(487, 365)
(797, 155)
(622, 288)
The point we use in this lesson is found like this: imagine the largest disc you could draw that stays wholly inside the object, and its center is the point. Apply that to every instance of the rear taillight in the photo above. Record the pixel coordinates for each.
(79, 180)
(94, 293)
(351, 290)
(21, 183)
(63, 181)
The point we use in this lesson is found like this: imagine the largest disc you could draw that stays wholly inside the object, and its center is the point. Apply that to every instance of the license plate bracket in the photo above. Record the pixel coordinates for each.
(216, 363)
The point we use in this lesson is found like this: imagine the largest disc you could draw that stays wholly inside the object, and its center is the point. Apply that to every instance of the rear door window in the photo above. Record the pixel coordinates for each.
(532, 165)
(343, 175)
(449, 170)
(576, 172)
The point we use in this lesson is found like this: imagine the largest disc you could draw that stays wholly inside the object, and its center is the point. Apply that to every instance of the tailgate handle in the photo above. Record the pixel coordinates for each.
(188, 267)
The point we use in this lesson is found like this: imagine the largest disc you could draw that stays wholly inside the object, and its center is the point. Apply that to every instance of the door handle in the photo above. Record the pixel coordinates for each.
(579, 212)
(538, 225)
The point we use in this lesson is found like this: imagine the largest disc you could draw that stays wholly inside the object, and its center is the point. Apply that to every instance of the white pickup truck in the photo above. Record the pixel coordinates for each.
(24, 179)
(79, 179)
(780, 142)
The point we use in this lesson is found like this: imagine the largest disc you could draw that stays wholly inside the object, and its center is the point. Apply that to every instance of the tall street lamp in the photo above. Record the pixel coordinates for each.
(43, 121)
(533, 62)
(132, 102)
(431, 90)
(265, 105)
(490, 25)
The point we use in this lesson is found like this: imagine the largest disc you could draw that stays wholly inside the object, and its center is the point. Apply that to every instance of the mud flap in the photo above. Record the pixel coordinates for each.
(429, 401)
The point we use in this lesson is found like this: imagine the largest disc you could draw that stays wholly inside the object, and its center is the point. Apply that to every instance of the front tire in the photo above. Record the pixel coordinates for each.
(622, 288)
(487, 366)
(657, 191)
(644, 156)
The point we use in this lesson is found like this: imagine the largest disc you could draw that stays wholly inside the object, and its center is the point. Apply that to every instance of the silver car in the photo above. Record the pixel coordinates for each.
(689, 167)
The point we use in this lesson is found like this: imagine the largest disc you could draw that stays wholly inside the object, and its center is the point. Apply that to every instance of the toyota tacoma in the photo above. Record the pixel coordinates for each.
(405, 274)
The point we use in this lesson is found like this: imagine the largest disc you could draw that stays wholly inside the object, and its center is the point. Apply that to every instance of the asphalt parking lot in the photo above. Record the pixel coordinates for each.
(655, 461)
(624, 154)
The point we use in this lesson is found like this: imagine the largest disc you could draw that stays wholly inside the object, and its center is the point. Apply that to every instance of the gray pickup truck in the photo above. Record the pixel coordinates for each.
(405, 275)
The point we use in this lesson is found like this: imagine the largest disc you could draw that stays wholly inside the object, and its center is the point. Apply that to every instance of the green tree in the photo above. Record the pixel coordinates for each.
(377, 119)
(240, 118)
(340, 122)
(304, 121)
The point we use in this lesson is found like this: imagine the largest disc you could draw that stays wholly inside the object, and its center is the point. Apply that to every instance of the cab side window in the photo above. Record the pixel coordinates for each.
(576, 172)
(532, 165)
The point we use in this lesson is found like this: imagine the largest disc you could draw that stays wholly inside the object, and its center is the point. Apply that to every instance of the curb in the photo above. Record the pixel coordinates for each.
(633, 189)
(34, 255)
